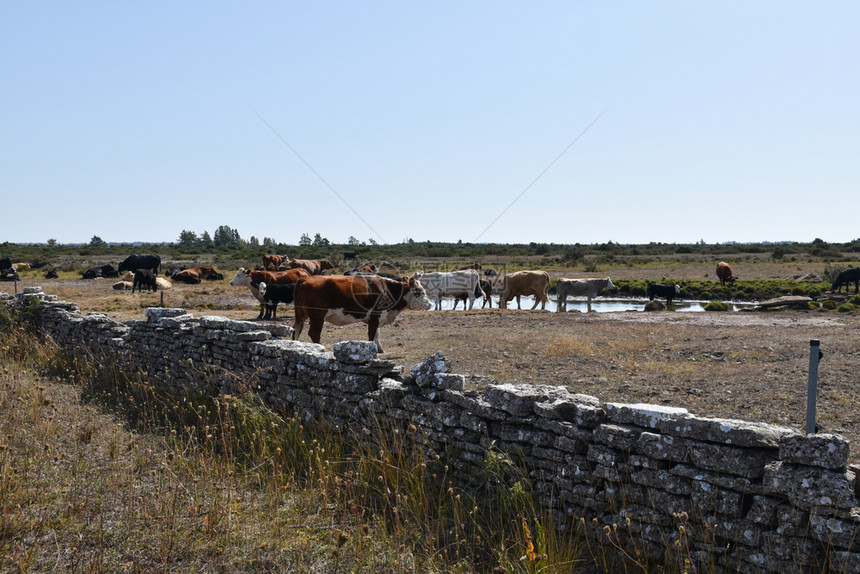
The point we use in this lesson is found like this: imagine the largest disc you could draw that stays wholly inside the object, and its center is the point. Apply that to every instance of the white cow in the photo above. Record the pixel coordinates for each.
(589, 288)
(452, 284)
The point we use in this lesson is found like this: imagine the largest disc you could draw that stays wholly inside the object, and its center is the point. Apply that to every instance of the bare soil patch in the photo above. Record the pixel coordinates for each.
(747, 365)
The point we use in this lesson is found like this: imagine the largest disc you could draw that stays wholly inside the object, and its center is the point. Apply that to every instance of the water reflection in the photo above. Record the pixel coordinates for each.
(602, 305)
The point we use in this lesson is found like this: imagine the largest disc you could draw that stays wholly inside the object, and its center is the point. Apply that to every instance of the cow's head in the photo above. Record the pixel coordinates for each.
(416, 297)
(262, 288)
(677, 289)
(609, 284)
(242, 278)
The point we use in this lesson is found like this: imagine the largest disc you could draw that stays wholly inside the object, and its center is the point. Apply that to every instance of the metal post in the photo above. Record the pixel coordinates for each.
(162, 298)
(812, 389)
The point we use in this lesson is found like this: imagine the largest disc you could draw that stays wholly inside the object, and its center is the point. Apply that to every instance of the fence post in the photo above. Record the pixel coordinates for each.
(815, 355)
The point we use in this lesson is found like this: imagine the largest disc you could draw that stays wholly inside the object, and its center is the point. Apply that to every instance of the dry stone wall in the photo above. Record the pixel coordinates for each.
(743, 496)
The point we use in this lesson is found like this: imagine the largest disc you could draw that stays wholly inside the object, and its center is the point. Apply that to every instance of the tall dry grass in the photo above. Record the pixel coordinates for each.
(101, 471)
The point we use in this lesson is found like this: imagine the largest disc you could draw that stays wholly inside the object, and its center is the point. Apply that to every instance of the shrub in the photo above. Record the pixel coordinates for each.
(855, 300)
(717, 306)
(830, 304)
(846, 308)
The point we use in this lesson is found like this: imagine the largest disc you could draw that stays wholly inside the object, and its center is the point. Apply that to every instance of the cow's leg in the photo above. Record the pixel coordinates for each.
(299, 323)
(589, 304)
(518, 302)
(315, 328)
(471, 301)
(373, 331)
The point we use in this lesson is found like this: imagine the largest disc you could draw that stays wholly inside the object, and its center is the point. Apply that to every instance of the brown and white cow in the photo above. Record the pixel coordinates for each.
(312, 266)
(196, 275)
(725, 273)
(252, 280)
(347, 299)
(274, 261)
(524, 283)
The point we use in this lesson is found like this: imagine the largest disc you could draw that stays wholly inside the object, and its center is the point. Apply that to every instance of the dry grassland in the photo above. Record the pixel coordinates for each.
(744, 365)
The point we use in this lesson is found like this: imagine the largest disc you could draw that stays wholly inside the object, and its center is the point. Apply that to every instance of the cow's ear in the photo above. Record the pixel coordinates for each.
(410, 280)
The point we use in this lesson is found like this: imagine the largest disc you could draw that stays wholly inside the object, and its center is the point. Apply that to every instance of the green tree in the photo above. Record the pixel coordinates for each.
(353, 241)
(254, 242)
(305, 240)
(226, 236)
(97, 241)
(269, 243)
(52, 242)
(206, 240)
(188, 238)
(320, 241)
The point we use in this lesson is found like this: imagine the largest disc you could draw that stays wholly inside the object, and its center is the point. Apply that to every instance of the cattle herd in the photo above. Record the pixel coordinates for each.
(367, 295)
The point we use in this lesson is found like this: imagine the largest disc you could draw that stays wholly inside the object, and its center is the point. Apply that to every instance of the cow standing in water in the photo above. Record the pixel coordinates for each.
(453, 284)
(588, 288)
(343, 300)
(523, 284)
(661, 290)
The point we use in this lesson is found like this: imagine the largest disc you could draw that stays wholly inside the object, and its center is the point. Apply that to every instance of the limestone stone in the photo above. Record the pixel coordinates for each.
(824, 450)
(725, 431)
(809, 487)
(642, 414)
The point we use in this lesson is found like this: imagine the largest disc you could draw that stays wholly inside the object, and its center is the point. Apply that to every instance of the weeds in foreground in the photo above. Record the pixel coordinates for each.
(194, 482)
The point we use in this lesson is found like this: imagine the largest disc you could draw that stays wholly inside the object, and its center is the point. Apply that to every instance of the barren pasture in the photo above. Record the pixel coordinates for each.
(747, 365)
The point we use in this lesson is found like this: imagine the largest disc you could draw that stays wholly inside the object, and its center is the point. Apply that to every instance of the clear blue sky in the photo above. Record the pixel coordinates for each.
(729, 121)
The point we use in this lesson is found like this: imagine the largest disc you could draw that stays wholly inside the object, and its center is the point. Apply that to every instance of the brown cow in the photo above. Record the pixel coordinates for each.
(342, 300)
(525, 283)
(196, 275)
(312, 266)
(476, 266)
(253, 279)
(725, 273)
(274, 261)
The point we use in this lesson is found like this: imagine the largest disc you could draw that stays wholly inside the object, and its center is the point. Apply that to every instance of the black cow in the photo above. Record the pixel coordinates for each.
(135, 262)
(173, 271)
(846, 277)
(103, 271)
(52, 274)
(9, 274)
(661, 290)
(144, 278)
(5, 263)
(274, 294)
(483, 289)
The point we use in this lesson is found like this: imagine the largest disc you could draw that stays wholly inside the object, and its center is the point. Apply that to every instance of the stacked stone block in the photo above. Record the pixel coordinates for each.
(740, 496)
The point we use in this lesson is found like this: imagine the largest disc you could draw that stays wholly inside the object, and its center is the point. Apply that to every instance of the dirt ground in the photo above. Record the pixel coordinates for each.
(747, 365)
